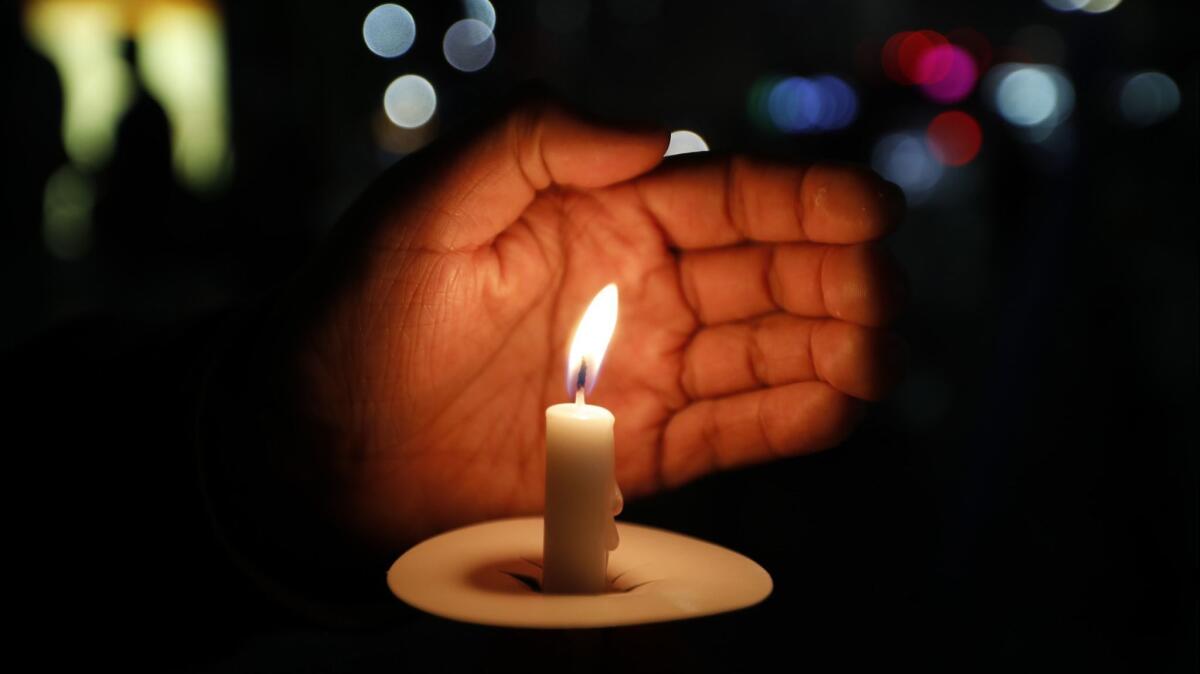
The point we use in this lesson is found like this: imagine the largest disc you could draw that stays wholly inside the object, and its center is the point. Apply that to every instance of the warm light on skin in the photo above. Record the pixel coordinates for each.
(591, 338)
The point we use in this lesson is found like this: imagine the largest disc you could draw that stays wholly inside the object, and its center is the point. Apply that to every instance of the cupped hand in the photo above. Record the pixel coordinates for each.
(750, 322)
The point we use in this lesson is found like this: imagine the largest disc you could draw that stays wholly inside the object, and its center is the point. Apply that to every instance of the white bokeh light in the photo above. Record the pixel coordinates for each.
(481, 10)
(1065, 5)
(905, 159)
(469, 45)
(1148, 98)
(1026, 97)
(1100, 6)
(389, 30)
(685, 142)
(409, 101)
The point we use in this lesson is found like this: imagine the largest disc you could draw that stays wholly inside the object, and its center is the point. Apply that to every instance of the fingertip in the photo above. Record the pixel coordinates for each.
(864, 284)
(860, 362)
(848, 204)
(581, 152)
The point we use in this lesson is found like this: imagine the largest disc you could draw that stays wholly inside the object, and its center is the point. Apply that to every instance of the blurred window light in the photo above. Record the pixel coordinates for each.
(1148, 98)
(83, 41)
(481, 10)
(181, 62)
(469, 45)
(905, 159)
(685, 142)
(389, 30)
(67, 213)
(409, 101)
(947, 73)
(954, 137)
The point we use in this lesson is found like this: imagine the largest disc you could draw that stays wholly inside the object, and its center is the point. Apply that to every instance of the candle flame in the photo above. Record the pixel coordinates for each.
(591, 340)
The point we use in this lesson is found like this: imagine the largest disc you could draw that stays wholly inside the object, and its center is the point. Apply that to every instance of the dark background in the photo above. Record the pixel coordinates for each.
(1026, 500)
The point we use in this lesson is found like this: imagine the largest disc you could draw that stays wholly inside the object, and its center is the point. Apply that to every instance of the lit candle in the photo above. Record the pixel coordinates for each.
(581, 492)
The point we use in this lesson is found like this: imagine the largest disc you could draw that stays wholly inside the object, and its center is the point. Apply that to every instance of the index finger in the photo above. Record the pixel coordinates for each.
(726, 201)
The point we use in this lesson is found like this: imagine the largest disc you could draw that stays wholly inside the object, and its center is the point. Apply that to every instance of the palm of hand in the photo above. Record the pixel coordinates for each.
(733, 344)
(481, 352)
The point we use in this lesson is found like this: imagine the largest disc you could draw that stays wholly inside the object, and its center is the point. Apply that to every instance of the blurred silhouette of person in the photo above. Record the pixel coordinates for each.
(34, 121)
(140, 204)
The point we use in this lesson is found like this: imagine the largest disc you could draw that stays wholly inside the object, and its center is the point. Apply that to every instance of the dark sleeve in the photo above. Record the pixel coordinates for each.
(132, 515)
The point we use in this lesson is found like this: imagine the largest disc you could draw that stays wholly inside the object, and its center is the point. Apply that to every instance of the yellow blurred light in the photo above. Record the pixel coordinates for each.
(181, 62)
(83, 41)
(67, 213)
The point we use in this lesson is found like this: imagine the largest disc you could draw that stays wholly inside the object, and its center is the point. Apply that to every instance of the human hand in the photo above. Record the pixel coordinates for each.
(750, 323)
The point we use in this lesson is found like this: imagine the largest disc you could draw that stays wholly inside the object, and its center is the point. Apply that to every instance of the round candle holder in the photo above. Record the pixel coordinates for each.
(490, 574)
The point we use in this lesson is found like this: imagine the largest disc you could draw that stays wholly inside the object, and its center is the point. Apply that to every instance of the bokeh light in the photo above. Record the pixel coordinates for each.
(954, 137)
(1065, 5)
(1089, 6)
(905, 159)
(67, 213)
(685, 142)
(947, 73)
(409, 101)
(1100, 6)
(481, 10)
(1036, 97)
(804, 105)
(389, 30)
(902, 54)
(1148, 98)
(469, 45)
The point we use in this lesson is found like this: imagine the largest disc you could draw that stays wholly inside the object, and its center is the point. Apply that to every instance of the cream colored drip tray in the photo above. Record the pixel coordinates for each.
(491, 574)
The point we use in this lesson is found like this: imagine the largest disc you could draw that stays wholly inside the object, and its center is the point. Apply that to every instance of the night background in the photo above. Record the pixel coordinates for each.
(1025, 500)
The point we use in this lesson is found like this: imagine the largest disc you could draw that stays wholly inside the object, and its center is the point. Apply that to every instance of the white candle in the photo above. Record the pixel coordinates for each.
(580, 487)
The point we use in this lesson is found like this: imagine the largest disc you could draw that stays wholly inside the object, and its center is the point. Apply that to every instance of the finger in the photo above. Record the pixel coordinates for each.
(716, 203)
(780, 349)
(492, 178)
(860, 283)
(754, 427)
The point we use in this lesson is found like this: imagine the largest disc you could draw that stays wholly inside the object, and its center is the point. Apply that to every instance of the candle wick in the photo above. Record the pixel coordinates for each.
(581, 383)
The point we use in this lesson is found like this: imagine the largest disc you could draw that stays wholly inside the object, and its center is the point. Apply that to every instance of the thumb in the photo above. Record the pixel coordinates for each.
(479, 185)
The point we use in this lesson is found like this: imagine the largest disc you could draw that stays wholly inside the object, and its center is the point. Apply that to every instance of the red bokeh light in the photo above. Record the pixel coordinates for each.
(912, 48)
(902, 53)
(890, 57)
(954, 137)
